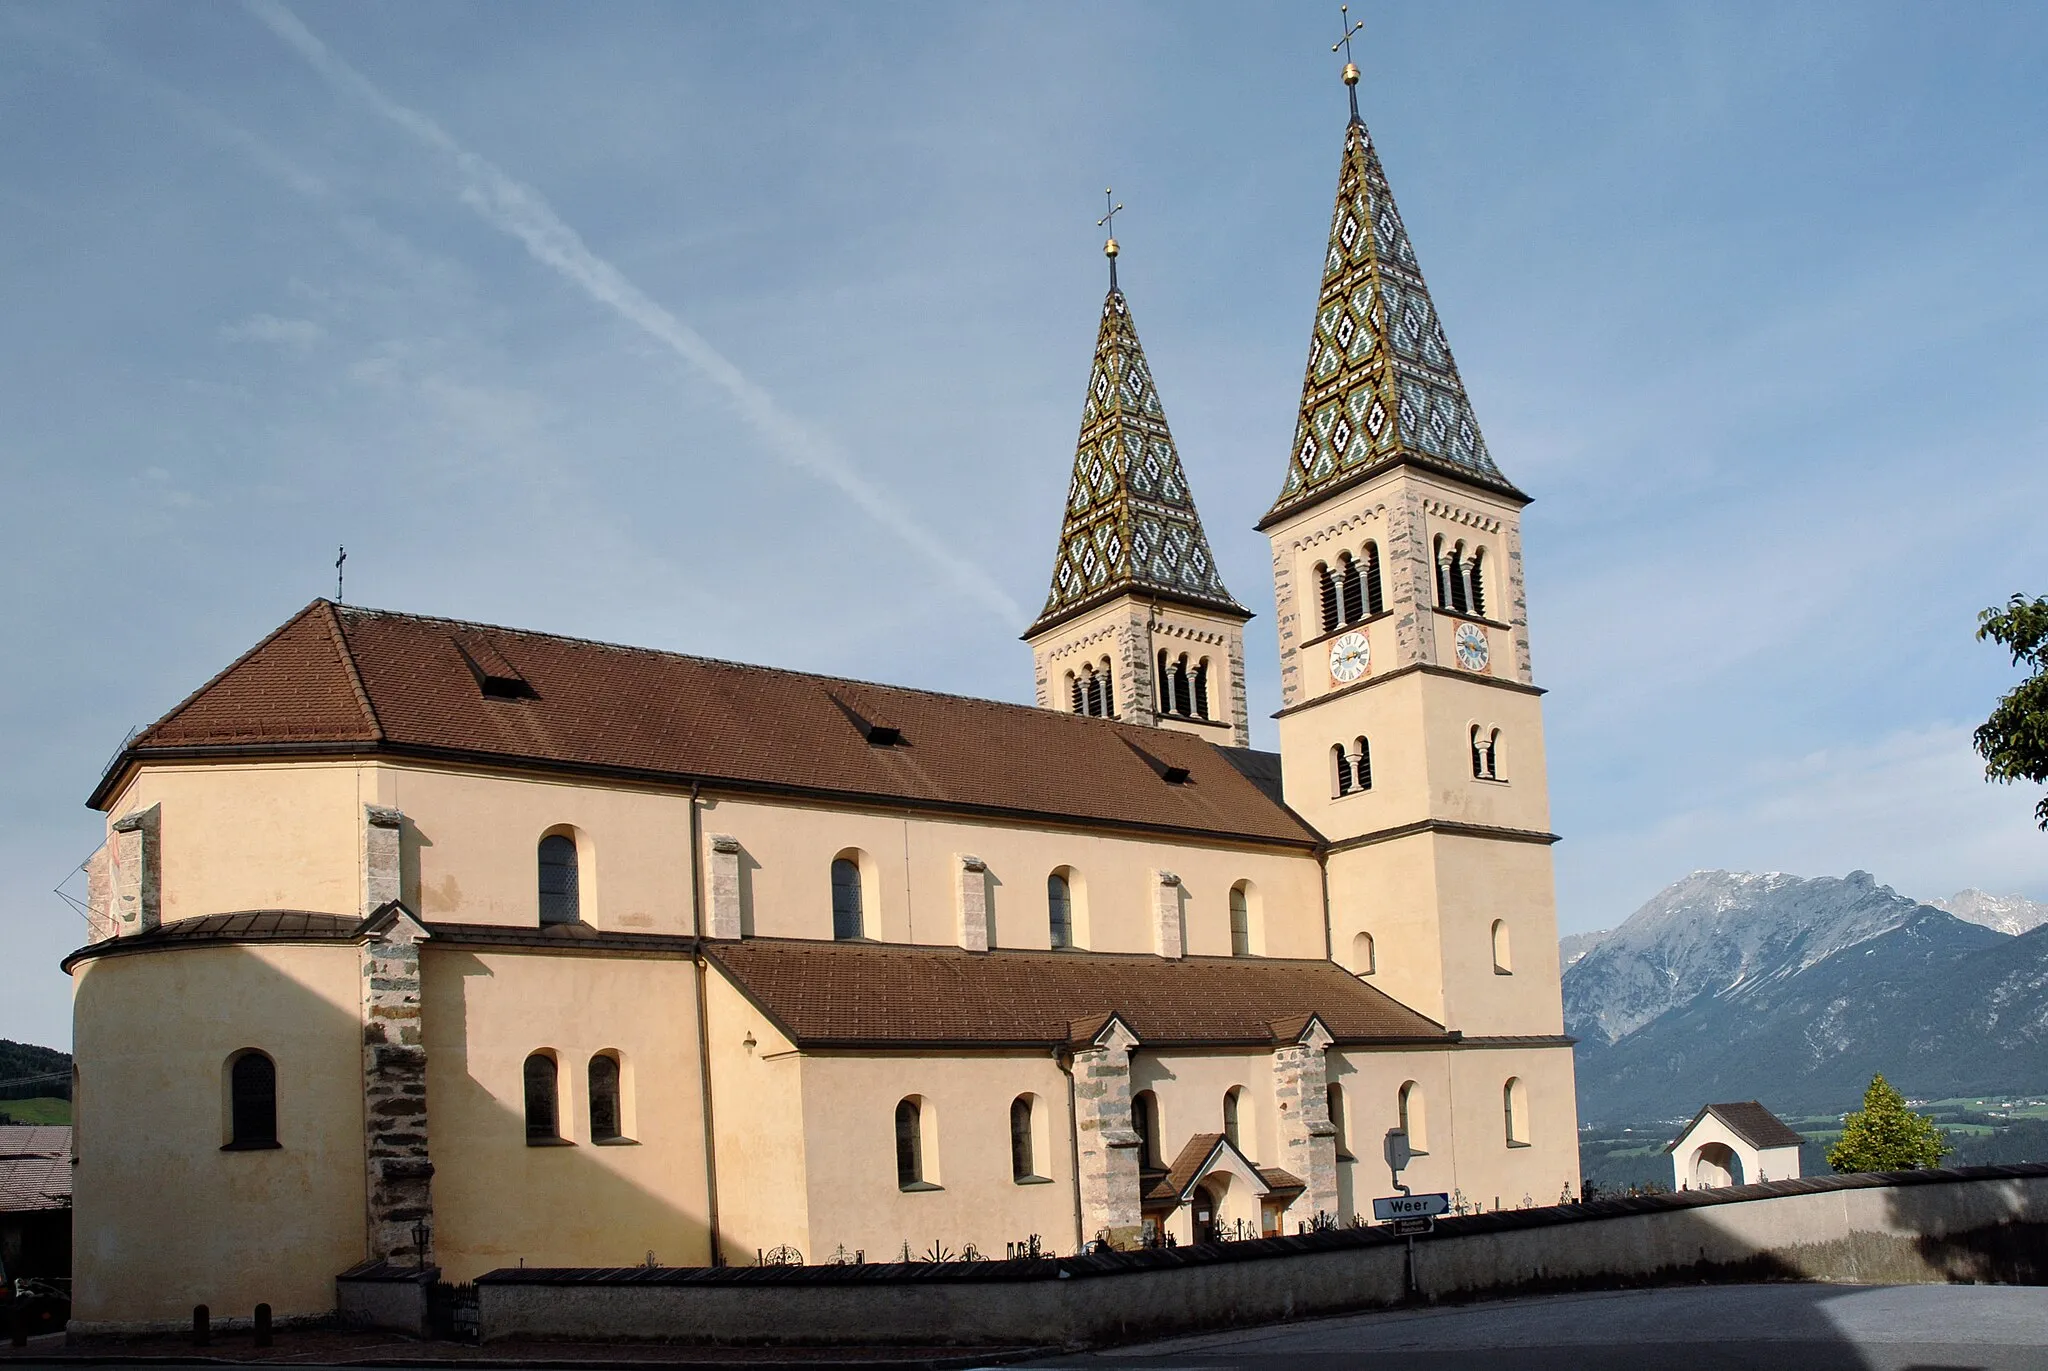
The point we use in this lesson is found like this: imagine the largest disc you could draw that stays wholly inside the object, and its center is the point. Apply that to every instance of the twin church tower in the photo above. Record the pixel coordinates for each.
(1410, 731)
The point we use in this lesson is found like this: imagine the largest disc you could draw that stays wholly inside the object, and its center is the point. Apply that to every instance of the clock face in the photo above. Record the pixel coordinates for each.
(1473, 652)
(1350, 655)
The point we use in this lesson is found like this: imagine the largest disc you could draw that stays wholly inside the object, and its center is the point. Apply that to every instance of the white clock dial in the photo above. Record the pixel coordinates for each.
(1350, 655)
(1473, 652)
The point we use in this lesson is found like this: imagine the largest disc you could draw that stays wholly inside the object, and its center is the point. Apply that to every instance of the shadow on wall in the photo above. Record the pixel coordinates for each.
(171, 1211)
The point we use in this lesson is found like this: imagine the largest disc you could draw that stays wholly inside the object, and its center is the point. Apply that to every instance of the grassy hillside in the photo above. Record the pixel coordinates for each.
(31, 1072)
(46, 1110)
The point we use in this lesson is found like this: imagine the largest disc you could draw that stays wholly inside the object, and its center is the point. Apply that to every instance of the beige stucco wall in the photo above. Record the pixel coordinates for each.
(164, 1218)
(912, 895)
(498, 1201)
(850, 1140)
(757, 1107)
(1758, 1164)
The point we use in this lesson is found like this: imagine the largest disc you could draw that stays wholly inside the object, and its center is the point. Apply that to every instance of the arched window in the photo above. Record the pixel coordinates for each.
(1340, 770)
(1240, 922)
(848, 917)
(1108, 690)
(1476, 580)
(1231, 1098)
(1364, 958)
(1202, 689)
(542, 1121)
(558, 880)
(1412, 1111)
(1485, 753)
(1328, 590)
(1091, 692)
(1334, 1093)
(1502, 964)
(1443, 575)
(606, 1124)
(1493, 766)
(1361, 764)
(1059, 906)
(1460, 601)
(1074, 692)
(1354, 590)
(1514, 1105)
(1165, 684)
(1183, 692)
(252, 1101)
(1021, 1167)
(1375, 598)
(1145, 1123)
(910, 1143)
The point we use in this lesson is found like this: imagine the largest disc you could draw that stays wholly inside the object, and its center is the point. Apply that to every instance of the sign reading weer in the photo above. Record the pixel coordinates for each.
(1410, 1206)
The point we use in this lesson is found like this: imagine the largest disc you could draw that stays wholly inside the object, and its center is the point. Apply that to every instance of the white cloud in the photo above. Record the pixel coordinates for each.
(296, 334)
(521, 211)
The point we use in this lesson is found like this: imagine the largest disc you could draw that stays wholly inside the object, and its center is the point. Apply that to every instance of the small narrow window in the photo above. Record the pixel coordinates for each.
(1361, 764)
(1327, 588)
(1493, 755)
(1021, 1161)
(1443, 576)
(604, 1099)
(1340, 766)
(847, 915)
(1459, 600)
(1059, 904)
(1334, 1094)
(1183, 692)
(542, 1124)
(1230, 1103)
(1074, 691)
(1240, 923)
(1354, 590)
(1514, 1110)
(1478, 756)
(1108, 691)
(1477, 577)
(1375, 598)
(252, 1101)
(1503, 964)
(1145, 1123)
(1413, 1114)
(558, 880)
(1202, 689)
(1364, 958)
(909, 1143)
(1093, 694)
(1165, 684)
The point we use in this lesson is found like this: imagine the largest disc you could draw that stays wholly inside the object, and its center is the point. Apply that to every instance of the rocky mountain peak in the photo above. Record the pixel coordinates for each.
(2005, 913)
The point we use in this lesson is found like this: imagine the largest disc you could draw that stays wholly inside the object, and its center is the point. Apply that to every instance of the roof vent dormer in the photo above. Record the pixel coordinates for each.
(497, 678)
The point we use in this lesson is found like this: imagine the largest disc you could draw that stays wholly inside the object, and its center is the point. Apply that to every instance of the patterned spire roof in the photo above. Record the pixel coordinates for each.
(1131, 523)
(1381, 385)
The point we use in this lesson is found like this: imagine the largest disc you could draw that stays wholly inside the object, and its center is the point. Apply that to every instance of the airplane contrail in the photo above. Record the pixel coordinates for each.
(520, 210)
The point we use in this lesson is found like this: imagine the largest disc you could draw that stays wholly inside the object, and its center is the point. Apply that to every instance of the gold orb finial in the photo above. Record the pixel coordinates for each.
(1109, 248)
(1351, 73)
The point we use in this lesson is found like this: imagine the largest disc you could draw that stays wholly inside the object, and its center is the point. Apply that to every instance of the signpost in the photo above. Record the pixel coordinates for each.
(1411, 1215)
(1395, 1207)
(1410, 1228)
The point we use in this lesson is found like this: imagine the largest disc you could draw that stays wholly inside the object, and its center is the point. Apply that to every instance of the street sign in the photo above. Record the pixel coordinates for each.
(1412, 1228)
(1397, 1152)
(1410, 1206)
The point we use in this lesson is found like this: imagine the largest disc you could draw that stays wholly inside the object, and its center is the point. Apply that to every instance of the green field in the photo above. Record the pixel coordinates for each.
(45, 1110)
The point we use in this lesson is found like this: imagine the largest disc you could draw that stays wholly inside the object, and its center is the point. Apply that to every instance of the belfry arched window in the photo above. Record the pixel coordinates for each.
(1330, 592)
(1201, 679)
(848, 916)
(1354, 589)
(1341, 781)
(1074, 693)
(1108, 689)
(1475, 582)
(1485, 753)
(1361, 763)
(1352, 766)
(1165, 684)
(1375, 597)
(559, 880)
(1183, 688)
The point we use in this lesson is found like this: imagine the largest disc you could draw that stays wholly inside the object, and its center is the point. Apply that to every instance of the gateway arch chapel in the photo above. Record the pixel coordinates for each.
(430, 941)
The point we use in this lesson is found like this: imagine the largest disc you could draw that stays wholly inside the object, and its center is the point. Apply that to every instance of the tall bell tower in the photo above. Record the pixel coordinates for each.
(1137, 625)
(1411, 729)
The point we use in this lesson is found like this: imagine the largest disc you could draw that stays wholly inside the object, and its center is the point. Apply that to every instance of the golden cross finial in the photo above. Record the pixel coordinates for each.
(1108, 220)
(1350, 27)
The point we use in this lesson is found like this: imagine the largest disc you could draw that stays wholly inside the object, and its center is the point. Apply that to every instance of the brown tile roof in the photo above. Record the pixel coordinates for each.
(823, 994)
(35, 1167)
(242, 926)
(1173, 1183)
(1749, 1121)
(341, 678)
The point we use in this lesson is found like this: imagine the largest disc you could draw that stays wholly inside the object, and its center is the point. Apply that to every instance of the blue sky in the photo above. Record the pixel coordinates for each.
(761, 332)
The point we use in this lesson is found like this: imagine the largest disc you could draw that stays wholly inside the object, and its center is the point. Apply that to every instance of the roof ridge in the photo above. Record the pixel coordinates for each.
(348, 661)
(728, 663)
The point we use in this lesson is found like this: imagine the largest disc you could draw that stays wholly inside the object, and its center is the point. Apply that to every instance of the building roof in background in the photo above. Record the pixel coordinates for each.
(1747, 1120)
(824, 994)
(35, 1167)
(337, 679)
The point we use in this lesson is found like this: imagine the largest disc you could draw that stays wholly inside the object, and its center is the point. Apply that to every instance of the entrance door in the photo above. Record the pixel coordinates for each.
(1206, 1215)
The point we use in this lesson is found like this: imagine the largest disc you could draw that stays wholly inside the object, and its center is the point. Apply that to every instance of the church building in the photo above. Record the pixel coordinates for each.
(430, 942)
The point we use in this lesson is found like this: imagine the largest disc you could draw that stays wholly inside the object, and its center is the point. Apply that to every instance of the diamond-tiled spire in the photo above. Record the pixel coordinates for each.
(1381, 385)
(1130, 523)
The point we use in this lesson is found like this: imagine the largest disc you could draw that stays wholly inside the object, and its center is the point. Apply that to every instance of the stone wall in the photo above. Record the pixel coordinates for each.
(1983, 1224)
(398, 1173)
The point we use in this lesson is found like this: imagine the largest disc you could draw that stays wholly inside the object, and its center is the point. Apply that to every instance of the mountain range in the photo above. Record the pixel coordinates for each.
(1795, 990)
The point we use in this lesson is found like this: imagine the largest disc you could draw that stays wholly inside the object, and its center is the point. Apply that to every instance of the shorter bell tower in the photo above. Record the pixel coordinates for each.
(1138, 625)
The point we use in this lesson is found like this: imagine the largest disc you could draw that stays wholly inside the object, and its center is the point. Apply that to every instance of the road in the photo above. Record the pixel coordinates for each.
(1689, 1328)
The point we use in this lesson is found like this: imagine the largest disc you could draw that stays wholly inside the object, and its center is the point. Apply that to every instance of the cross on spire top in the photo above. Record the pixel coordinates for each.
(1108, 220)
(1350, 28)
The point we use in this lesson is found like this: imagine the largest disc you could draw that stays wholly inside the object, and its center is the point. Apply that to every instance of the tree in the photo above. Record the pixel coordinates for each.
(2014, 740)
(1886, 1136)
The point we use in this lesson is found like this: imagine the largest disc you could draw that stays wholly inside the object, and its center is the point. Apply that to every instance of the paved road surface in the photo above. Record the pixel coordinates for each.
(1691, 1328)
